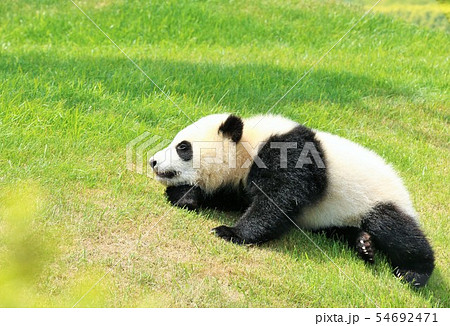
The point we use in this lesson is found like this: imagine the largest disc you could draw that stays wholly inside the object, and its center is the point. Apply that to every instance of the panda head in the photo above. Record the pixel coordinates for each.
(199, 154)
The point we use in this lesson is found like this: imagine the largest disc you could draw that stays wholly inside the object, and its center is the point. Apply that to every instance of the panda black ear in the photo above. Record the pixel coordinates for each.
(232, 127)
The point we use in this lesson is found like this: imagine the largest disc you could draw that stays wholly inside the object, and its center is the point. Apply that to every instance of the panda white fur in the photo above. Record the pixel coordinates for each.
(277, 171)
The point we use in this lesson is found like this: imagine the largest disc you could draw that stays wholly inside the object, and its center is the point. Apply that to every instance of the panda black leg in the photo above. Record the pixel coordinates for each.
(400, 238)
(279, 186)
(263, 221)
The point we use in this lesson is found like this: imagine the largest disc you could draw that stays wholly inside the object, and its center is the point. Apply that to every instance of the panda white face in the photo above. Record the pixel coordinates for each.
(173, 165)
(178, 164)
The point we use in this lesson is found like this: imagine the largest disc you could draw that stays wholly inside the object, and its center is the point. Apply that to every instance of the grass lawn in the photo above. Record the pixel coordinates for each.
(70, 102)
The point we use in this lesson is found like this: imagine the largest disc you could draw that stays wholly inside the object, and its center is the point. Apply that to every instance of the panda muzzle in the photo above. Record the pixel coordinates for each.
(167, 174)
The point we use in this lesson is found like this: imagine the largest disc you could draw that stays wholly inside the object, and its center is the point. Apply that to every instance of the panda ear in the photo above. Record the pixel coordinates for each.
(232, 127)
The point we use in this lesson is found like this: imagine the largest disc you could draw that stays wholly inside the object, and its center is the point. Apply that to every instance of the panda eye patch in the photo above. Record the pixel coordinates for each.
(184, 150)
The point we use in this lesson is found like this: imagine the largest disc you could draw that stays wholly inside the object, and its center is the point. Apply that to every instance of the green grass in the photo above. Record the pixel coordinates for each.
(70, 102)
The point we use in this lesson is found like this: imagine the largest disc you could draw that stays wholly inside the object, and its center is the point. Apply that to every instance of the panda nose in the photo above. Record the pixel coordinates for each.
(152, 163)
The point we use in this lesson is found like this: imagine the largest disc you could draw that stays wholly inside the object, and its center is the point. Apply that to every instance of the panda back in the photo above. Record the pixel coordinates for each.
(358, 180)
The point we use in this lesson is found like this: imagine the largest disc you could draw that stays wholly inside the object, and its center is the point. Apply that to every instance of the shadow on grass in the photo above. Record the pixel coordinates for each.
(296, 245)
(436, 291)
(249, 88)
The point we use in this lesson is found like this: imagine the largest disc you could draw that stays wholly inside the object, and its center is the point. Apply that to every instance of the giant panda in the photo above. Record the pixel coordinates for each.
(283, 175)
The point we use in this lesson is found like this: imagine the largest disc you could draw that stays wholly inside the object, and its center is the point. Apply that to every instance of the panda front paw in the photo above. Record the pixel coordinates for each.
(184, 196)
(227, 233)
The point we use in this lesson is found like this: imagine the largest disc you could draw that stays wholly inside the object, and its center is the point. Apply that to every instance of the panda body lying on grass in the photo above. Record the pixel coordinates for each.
(282, 174)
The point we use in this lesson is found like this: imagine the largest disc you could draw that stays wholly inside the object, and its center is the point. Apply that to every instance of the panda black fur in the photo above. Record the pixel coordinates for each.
(344, 189)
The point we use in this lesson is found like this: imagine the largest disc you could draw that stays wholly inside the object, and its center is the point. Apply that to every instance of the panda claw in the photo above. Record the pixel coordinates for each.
(365, 248)
(414, 278)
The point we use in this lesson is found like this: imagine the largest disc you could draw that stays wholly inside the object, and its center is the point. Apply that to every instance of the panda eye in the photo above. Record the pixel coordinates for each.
(182, 147)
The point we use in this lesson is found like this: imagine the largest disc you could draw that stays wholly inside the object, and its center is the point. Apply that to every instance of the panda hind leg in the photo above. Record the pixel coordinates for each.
(400, 238)
(356, 239)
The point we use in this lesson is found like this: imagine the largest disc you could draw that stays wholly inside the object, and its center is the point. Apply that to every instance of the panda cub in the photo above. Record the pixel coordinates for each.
(281, 174)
